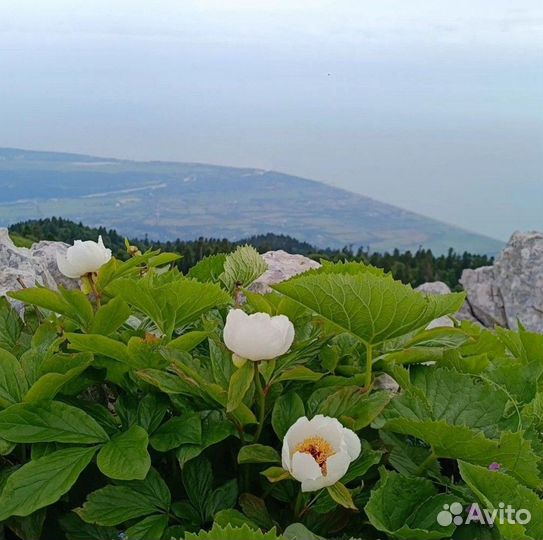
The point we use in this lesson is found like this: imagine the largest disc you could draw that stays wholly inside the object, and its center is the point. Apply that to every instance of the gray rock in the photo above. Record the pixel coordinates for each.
(511, 289)
(436, 287)
(281, 266)
(484, 300)
(23, 267)
(385, 382)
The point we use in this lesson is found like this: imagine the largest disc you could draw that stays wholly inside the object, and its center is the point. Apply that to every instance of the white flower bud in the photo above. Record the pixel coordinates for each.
(258, 336)
(83, 258)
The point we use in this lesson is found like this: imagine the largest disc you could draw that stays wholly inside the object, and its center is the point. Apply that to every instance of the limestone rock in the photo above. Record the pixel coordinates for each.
(281, 266)
(512, 288)
(484, 299)
(27, 267)
(436, 287)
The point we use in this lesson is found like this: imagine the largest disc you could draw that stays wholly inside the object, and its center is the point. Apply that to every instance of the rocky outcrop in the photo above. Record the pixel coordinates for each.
(23, 267)
(281, 266)
(511, 289)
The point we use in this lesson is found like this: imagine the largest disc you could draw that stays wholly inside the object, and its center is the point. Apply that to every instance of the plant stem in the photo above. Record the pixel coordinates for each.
(261, 398)
(310, 504)
(298, 504)
(369, 363)
(97, 296)
(237, 295)
(432, 458)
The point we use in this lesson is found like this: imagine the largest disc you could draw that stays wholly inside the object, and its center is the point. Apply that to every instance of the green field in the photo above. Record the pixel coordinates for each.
(187, 200)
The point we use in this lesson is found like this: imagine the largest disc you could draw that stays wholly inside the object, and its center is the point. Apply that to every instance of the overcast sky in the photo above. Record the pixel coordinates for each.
(433, 105)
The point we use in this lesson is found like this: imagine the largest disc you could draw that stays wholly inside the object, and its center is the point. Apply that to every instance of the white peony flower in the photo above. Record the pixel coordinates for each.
(318, 452)
(258, 336)
(83, 257)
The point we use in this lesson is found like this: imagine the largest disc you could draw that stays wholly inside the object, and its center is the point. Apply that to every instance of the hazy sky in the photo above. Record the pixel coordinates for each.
(433, 105)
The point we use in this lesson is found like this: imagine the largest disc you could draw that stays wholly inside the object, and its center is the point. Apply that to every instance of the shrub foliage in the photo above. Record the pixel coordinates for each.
(122, 414)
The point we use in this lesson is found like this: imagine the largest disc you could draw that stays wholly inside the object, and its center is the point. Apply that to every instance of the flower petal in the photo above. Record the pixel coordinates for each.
(66, 267)
(352, 442)
(299, 432)
(314, 485)
(336, 467)
(304, 467)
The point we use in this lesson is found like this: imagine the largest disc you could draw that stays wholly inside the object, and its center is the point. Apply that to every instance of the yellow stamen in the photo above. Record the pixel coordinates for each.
(319, 449)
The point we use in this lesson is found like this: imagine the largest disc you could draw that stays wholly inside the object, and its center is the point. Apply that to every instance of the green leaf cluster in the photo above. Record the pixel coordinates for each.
(122, 412)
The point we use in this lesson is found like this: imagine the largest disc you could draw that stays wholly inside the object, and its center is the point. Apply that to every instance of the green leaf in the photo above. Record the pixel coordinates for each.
(166, 382)
(242, 267)
(125, 456)
(6, 447)
(233, 533)
(11, 325)
(299, 373)
(221, 363)
(286, 410)
(209, 268)
(187, 299)
(276, 474)
(255, 509)
(240, 382)
(116, 504)
(297, 531)
(492, 488)
(198, 481)
(101, 345)
(153, 488)
(458, 398)
(112, 505)
(224, 497)
(532, 344)
(28, 527)
(110, 317)
(440, 337)
(460, 442)
(172, 305)
(140, 295)
(348, 267)
(188, 341)
(394, 503)
(79, 304)
(371, 307)
(49, 421)
(233, 517)
(151, 411)
(163, 258)
(354, 407)
(76, 529)
(341, 495)
(50, 384)
(72, 304)
(144, 355)
(360, 466)
(407, 458)
(13, 384)
(215, 428)
(258, 453)
(149, 528)
(43, 481)
(186, 429)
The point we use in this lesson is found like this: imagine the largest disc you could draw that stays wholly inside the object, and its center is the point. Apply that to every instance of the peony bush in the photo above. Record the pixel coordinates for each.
(155, 405)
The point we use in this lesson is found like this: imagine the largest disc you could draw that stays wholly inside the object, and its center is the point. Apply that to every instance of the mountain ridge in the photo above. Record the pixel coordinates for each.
(167, 199)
